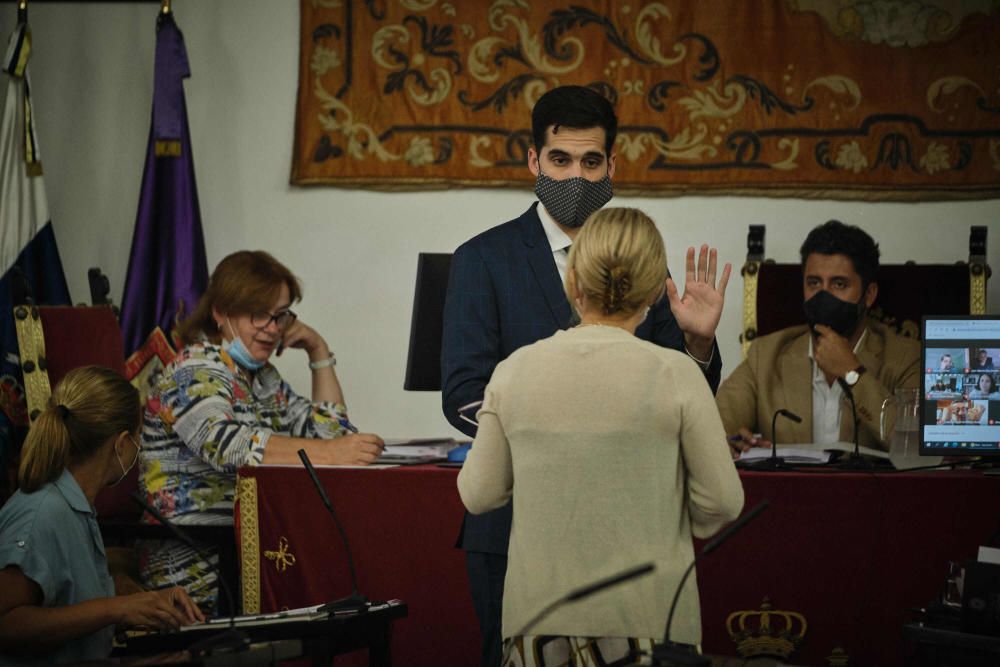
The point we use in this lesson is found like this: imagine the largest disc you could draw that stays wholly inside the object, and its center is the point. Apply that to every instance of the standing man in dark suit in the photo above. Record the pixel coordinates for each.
(505, 291)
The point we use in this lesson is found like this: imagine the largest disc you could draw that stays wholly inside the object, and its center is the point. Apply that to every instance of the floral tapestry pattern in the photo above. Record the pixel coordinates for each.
(875, 99)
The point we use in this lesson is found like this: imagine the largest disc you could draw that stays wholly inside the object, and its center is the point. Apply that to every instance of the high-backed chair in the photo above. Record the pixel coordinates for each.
(53, 341)
(56, 339)
(772, 293)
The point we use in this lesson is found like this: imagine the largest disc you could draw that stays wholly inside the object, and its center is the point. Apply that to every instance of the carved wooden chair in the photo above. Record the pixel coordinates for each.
(772, 293)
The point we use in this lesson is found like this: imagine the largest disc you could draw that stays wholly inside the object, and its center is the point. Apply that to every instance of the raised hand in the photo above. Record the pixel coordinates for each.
(699, 310)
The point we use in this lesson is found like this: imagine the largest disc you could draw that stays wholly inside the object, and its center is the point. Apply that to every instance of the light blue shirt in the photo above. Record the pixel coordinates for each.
(53, 537)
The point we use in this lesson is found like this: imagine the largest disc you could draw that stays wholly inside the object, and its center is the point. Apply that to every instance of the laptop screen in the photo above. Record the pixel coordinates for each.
(961, 383)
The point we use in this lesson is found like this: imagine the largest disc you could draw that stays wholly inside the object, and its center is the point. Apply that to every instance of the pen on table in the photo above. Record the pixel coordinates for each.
(738, 437)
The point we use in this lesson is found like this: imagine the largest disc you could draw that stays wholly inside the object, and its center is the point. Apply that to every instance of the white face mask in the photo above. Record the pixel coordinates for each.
(125, 471)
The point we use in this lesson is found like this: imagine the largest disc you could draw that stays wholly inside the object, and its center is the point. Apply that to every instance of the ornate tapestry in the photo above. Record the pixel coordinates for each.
(876, 99)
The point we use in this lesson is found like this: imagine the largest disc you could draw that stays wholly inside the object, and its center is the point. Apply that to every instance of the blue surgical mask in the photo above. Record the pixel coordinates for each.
(239, 352)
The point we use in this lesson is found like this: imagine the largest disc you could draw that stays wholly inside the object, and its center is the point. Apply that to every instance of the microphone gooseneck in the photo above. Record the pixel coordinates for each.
(775, 462)
(229, 639)
(355, 601)
(672, 653)
(854, 461)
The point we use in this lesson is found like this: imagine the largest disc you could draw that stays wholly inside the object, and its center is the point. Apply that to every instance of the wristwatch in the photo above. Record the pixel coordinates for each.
(852, 377)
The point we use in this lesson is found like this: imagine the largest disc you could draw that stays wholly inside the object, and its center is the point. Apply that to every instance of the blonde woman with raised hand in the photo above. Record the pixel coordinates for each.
(613, 453)
(58, 603)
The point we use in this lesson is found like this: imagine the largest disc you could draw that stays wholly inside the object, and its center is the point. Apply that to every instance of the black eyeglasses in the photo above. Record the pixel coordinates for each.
(262, 319)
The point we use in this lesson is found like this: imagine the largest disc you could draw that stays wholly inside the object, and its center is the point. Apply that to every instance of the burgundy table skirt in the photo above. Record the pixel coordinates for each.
(851, 553)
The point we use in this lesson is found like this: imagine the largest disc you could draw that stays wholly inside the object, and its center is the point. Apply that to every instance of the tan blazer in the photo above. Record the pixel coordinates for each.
(777, 373)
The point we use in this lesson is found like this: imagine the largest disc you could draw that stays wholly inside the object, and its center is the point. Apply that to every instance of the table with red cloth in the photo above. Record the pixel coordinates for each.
(850, 554)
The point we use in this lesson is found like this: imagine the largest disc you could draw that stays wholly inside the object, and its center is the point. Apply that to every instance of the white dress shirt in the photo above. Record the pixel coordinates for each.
(827, 401)
(559, 241)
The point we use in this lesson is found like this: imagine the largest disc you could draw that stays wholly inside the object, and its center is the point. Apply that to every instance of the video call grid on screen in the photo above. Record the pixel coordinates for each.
(961, 386)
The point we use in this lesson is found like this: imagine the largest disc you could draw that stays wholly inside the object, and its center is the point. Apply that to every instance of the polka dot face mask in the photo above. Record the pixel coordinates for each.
(571, 200)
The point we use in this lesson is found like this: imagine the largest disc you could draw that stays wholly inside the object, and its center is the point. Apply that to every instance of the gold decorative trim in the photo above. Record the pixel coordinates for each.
(977, 289)
(750, 272)
(246, 490)
(282, 557)
(171, 148)
(31, 343)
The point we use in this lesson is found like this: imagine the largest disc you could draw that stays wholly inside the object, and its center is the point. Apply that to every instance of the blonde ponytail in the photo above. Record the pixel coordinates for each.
(45, 451)
(88, 406)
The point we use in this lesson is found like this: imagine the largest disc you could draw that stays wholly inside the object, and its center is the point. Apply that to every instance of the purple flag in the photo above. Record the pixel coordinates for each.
(167, 270)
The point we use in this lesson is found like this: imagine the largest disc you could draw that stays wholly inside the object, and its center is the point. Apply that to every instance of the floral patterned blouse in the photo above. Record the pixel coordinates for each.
(205, 418)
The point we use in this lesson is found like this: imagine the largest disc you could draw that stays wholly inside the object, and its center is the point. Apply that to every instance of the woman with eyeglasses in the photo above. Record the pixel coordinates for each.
(220, 405)
(57, 599)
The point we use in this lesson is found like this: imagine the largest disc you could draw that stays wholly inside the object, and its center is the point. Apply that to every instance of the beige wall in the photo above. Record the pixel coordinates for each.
(355, 250)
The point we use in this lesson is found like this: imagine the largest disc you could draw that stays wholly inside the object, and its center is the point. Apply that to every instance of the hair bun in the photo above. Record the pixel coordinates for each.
(617, 285)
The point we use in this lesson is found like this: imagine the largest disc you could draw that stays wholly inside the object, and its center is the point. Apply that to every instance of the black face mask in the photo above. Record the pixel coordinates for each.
(841, 316)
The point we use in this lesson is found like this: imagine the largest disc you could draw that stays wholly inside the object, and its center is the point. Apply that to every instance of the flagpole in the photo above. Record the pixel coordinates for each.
(164, 6)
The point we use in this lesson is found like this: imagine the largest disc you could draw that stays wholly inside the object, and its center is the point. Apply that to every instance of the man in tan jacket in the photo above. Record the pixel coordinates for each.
(807, 369)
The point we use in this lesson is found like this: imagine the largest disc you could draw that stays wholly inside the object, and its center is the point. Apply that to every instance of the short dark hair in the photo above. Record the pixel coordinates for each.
(578, 107)
(836, 238)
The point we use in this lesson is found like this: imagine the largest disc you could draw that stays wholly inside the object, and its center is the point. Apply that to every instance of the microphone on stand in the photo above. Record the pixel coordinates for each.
(579, 594)
(670, 654)
(854, 460)
(355, 601)
(775, 462)
(231, 639)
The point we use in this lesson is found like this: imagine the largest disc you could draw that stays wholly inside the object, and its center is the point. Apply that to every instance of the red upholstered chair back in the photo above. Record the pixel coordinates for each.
(81, 336)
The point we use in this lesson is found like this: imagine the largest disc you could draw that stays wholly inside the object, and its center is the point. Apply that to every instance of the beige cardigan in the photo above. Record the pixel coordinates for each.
(615, 455)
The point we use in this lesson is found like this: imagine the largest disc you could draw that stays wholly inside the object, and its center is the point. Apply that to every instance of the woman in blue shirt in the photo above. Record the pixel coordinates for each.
(58, 603)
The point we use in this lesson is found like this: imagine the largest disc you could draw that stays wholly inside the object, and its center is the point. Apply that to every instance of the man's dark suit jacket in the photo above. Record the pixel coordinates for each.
(504, 292)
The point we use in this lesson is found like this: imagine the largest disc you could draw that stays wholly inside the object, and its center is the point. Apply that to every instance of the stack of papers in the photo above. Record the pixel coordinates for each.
(810, 453)
(287, 616)
(790, 453)
(426, 450)
(312, 613)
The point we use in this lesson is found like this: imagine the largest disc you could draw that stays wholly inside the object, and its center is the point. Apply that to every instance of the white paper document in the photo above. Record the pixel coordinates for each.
(423, 450)
(809, 453)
